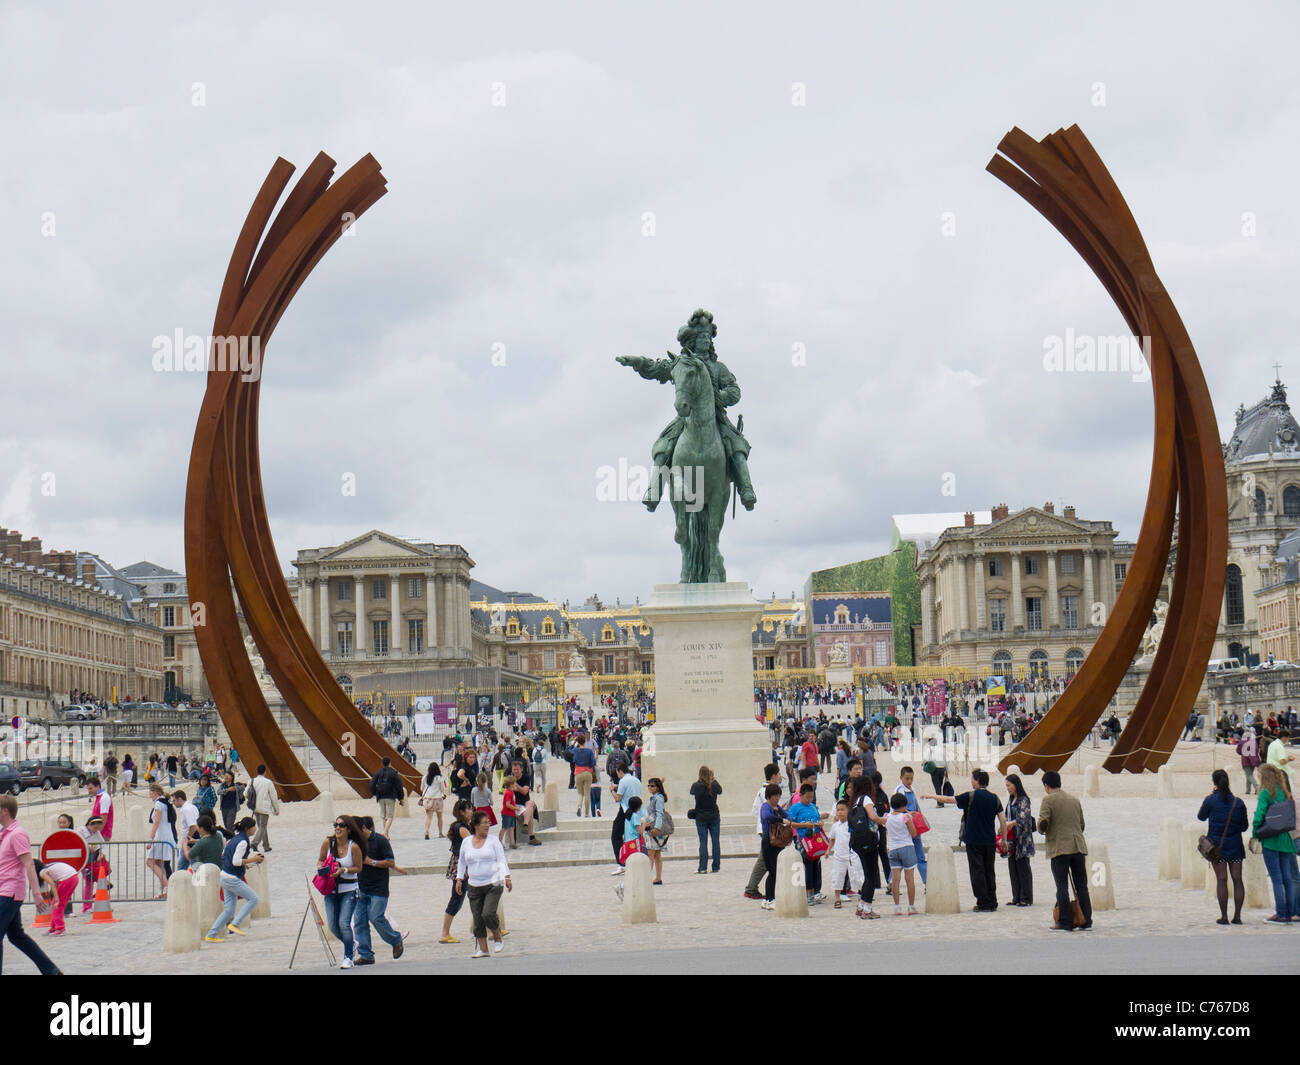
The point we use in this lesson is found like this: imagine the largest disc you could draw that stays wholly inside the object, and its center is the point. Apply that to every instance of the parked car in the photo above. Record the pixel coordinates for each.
(1222, 665)
(80, 712)
(146, 706)
(10, 782)
(50, 773)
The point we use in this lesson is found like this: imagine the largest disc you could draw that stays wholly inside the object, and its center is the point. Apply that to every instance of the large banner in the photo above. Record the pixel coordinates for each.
(424, 723)
(444, 713)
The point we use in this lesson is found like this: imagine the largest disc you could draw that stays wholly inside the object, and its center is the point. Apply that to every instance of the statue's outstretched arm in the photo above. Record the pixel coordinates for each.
(650, 369)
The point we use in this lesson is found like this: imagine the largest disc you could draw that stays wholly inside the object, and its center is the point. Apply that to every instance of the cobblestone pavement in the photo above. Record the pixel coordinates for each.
(561, 908)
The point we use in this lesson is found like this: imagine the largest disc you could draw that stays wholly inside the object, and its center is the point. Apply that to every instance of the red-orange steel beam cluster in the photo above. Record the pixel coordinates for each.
(1065, 180)
(227, 534)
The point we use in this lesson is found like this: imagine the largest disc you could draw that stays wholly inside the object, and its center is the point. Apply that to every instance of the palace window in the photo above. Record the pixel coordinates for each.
(548, 628)
(882, 652)
(1232, 593)
(1033, 613)
(1067, 562)
(1121, 571)
(548, 661)
(997, 615)
(344, 639)
(512, 627)
(607, 636)
(609, 663)
(995, 566)
(841, 615)
(169, 589)
(1261, 501)
(1031, 565)
(414, 587)
(1002, 663)
(380, 644)
(379, 589)
(1291, 501)
(169, 647)
(512, 660)
(415, 636)
(345, 590)
(169, 616)
(1038, 663)
(645, 668)
(1073, 660)
(1070, 611)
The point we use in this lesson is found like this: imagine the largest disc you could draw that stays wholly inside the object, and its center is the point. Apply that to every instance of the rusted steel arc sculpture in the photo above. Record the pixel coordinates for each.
(1065, 180)
(227, 534)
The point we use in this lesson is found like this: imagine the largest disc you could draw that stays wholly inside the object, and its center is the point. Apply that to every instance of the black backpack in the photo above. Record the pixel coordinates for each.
(863, 836)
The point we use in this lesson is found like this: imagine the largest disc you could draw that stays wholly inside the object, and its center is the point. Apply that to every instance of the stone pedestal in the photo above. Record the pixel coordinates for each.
(580, 685)
(207, 883)
(1091, 781)
(1164, 782)
(137, 823)
(1101, 888)
(327, 808)
(941, 882)
(1259, 889)
(638, 893)
(259, 881)
(1171, 849)
(704, 694)
(791, 892)
(839, 676)
(1193, 864)
(551, 797)
(181, 931)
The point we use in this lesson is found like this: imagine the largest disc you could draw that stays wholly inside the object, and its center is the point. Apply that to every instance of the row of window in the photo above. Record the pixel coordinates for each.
(344, 645)
(1290, 501)
(46, 589)
(378, 588)
(1034, 613)
(1004, 663)
(997, 565)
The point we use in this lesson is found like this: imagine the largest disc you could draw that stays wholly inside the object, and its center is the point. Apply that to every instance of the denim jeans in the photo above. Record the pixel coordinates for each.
(707, 830)
(1285, 876)
(339, 908)
(921, 863)
(11, 925)
(234, 890)
(370, 910)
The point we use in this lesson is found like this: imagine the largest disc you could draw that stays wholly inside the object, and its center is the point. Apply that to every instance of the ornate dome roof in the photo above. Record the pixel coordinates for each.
(1266, 428)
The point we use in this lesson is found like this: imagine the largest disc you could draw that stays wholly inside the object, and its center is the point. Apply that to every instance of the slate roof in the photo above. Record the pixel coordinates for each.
(874, 608)
(1269, 423)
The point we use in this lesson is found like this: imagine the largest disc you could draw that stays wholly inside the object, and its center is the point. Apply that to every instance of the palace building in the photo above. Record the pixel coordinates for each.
(1026, 594)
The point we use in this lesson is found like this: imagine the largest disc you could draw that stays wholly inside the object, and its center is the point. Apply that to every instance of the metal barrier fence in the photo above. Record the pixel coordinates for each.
(132, 880)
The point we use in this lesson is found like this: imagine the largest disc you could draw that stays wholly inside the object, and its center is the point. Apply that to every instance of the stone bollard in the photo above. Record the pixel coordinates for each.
(1259, 889)
(327, 807)
(1091, 781)
(1171, 849)
(551, 797)
(259, 881)
(206, 879)
(181, 931)
(941, 881)
(1101, 886)
(1164, 783)
(791, 891)
(638, 895)
(137, 823)
(1193, 864)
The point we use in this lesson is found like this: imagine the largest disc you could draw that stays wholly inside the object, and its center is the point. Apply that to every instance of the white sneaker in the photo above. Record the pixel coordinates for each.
(346, 963)
(767, 905)
(479, 954)
(499, 946)
(898, 911)
(618, 872)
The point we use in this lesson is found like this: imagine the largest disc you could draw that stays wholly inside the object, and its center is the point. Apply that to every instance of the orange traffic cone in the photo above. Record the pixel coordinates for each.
(103, 909)
(43, 919)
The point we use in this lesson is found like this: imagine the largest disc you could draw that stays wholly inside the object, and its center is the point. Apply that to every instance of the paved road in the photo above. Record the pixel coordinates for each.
(1057, 954)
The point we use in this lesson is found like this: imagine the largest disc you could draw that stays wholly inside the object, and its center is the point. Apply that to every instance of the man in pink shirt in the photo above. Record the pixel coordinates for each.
(17, 873)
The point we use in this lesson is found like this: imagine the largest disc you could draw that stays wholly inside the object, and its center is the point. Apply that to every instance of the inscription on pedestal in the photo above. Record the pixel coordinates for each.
(702, 673)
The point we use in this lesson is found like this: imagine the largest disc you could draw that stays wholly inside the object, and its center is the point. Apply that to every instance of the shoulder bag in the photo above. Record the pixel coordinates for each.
(1280, 818)
(1211, 851)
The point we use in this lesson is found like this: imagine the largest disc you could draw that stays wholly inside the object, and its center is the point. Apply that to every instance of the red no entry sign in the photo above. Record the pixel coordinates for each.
(64, 846)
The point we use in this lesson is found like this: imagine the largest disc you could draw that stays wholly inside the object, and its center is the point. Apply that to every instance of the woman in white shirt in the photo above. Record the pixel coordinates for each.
(162, 838)
(435, 792)
(483, 867)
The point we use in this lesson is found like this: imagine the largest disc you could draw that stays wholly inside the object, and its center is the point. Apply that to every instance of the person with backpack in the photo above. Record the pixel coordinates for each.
(770, 816)
(773, 777)
(386, 788)
(162, 838)
(1278, 846)
(659, 824)
(844, 860)
(262, 800)
(868, 805)
(236, 857)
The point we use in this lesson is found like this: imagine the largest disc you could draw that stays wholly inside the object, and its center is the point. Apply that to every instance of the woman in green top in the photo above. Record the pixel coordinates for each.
(1280, 850)
(208, 847)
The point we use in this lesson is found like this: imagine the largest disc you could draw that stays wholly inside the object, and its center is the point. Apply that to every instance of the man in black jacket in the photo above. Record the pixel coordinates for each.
(386, 786)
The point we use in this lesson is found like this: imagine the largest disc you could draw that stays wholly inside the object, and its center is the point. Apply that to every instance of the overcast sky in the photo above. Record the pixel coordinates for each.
(811, 218)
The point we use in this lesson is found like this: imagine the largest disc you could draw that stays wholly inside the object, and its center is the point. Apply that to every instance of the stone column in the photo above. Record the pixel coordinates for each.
(394, 627)
(432, 629)
(1053, 592)
(359, 604)
(1017, 599)
(323, 605)
(1088, 588)
(927, 613)
(462, 601)
(981, 606)
(963, 597)
(444, 614)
